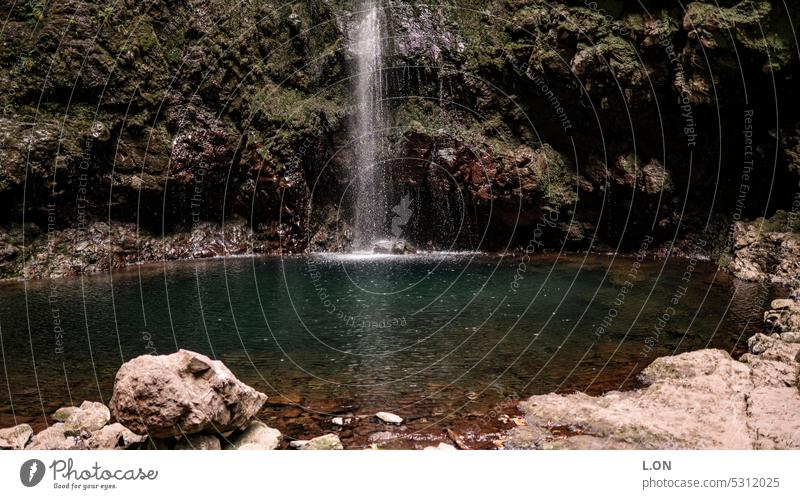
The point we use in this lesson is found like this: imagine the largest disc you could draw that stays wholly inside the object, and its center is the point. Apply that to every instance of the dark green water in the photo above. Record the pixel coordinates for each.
(420, 335)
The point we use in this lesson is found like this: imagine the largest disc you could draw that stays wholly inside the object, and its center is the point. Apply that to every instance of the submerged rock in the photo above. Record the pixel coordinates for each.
(15, 437)
(181, 393)
(257, 436)
(382, 436)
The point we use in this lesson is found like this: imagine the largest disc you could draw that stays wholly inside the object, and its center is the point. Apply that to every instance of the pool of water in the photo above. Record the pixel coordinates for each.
(429, 336)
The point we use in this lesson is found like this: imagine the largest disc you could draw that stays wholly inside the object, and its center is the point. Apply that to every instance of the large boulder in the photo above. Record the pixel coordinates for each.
(686, 395)
(181, 394)
(695, 400)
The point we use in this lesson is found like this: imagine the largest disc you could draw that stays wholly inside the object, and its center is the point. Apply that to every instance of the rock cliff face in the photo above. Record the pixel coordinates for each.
(768, 250)
(153, 129)
(646, 118)
(192, 129)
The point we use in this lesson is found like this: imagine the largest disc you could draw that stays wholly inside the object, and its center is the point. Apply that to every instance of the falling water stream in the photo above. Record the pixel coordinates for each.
(369, 173)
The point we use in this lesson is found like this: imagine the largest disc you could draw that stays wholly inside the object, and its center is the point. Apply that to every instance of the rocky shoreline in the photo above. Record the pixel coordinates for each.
(696, 400)
(100, 247)
(759, 251)
(121, 250)
(179, 401)
(185, 401)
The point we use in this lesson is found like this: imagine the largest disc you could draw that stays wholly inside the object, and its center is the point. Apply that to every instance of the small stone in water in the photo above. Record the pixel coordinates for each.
(388, 417)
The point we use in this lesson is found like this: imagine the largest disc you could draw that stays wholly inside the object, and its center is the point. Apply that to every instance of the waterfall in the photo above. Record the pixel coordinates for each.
(369, 171)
